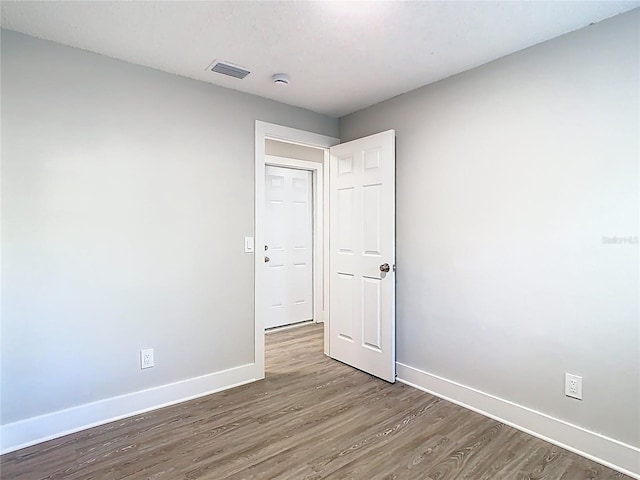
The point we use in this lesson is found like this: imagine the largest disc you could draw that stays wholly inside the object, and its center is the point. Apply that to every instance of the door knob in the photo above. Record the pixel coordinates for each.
(266, 259)
(385, 267)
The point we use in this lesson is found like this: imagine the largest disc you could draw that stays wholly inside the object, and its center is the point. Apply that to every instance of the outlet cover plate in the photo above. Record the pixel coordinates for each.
(573, 386)
(146, 358)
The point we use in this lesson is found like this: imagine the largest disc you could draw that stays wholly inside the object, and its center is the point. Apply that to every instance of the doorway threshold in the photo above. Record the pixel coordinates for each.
(288, 327)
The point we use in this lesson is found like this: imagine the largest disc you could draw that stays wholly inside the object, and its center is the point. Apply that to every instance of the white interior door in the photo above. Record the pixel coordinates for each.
(362, 254)
(289, 241)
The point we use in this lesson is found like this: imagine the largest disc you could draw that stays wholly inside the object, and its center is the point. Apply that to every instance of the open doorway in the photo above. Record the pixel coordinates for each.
(294, 234)
(359, 245)
(275, 145)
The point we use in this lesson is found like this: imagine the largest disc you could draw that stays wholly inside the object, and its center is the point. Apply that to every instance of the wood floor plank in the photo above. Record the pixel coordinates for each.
(311, 418)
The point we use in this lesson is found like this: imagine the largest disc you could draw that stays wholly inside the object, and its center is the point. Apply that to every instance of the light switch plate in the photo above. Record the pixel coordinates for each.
(248, 245)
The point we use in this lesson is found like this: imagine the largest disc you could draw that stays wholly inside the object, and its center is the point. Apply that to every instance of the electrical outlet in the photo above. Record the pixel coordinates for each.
(573, 386)
(146, 358)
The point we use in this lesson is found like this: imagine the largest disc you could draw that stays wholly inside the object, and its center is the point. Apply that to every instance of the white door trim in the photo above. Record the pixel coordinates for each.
(320, 297)
(266, 130)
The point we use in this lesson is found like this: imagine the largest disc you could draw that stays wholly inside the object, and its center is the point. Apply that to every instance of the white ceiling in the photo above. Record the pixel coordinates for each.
(342, 56)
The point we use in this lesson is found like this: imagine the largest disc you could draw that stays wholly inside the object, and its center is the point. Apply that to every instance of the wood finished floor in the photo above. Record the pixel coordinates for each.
(311, 418)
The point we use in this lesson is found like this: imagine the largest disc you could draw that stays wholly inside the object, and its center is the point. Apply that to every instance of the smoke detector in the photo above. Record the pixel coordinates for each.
(281, 79)
(229, 69)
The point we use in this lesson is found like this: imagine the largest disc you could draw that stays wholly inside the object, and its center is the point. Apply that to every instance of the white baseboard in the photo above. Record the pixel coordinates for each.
(282, 328)
(24, 433)
(599, 448)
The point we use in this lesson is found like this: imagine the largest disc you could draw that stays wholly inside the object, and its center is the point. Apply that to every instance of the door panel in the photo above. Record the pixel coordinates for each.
(342, 300)
(289, 238)
(371, 321)
(362, 239)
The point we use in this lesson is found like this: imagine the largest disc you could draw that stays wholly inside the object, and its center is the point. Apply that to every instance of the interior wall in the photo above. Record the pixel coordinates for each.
(513, 182)
(291, 150)
(126, 197)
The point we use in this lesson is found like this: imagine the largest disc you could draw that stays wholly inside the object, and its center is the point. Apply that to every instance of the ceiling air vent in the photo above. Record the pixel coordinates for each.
(229, 69)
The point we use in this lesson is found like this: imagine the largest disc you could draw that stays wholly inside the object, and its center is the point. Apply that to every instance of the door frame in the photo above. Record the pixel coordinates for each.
(264, 131)
(320, 294)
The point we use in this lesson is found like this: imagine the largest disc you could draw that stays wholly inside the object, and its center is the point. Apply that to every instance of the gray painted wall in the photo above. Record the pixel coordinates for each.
(126, 195)
(508, 178)
(291, 150)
